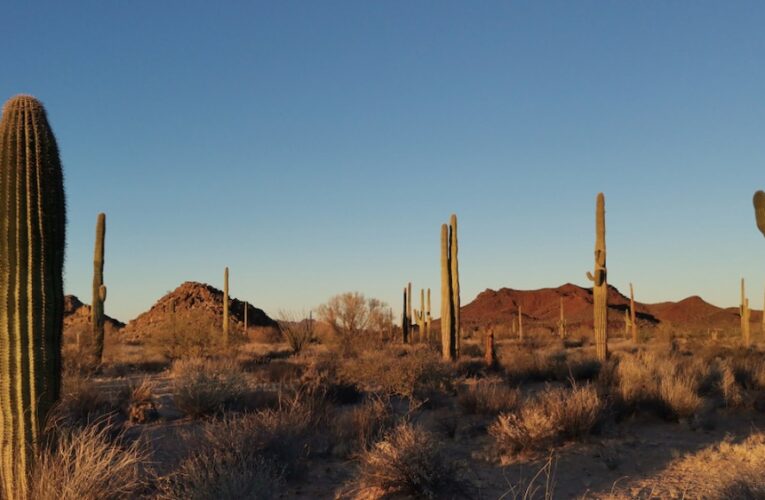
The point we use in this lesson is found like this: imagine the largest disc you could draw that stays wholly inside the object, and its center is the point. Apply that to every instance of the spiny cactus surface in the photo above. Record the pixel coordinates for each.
(32, 237)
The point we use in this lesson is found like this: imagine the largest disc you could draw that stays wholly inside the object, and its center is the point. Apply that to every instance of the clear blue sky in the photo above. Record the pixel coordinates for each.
(316, 147)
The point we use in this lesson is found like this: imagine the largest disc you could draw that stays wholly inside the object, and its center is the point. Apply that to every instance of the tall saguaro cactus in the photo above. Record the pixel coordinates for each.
(406, 321)
(225, 307)
(455, 277)
(562, 322)
(599, 281)
(99, 289)
(448, 341)
(32, 238)
(428, 318)
(745, 316)
(520, 323)
(759, 210)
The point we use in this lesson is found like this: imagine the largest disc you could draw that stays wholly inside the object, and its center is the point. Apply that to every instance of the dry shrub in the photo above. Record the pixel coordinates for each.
(297, 330)
(412, 372)
(487, 398)
(543, 421)
(528, 365)
(363, 425)
(188, 334)
(140, 406)
(664, 384)
(82, 403)
(408, 462)
(85, 465)
(729, 388)
(246, 456)
(206, 386)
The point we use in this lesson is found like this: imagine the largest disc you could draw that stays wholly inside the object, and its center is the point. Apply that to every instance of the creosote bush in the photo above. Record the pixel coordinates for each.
(548, 418)
(358, 428)
(205, 386)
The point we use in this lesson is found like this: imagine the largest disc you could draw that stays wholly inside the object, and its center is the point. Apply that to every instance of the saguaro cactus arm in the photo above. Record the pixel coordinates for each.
(759, 210)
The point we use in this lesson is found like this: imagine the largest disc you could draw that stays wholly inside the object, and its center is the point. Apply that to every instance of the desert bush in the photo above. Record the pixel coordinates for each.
(487, 398)
(361, 426)
(729, 388)
(83, 403)
(354, 320)
(412, 372)
(246, 456)
(408, 462)
(543, 421)
(206, 386)
(529, 365)
(664, 384)
(85, 465)
(298, 331)
(140, 404)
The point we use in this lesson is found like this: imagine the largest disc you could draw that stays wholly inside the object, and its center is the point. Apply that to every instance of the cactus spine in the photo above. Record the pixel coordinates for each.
(99, 290)
(633, 316)
(32, 240)
(448, 333)
(225, 307)
(599, 281)
(562, 322)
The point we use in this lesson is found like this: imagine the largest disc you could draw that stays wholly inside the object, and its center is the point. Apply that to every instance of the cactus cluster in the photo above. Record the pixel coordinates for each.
(32, 238)
(450, 291)
(599, 281)
(99, 290)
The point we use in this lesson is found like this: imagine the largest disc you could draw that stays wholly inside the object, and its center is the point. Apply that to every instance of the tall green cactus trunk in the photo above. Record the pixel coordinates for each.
(32, 238)
(562, 322)
(405, 322)
(455, 277)
(225, 308)
(409, 312)
(428, 319)
(99, 290)
(599, 281)
(447, 327)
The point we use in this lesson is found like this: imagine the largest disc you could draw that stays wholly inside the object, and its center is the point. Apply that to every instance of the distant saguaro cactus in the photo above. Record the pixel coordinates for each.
(450, 291)
(225, 307)
(428, 318)
(32, 240)
(745, 315)
(406, 322)
(599, 281)
(99, 290)
(420, 318)
(633, 316)
(520, 322)
(562, 322)
(489, 351)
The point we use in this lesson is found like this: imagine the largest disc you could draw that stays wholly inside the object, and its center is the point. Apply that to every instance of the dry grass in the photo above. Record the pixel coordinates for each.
(554, 415)
(206, 386)
(724, 470)
(407, 463)
(546, 365)
(82, 404)
(488, 398)
(85, 465)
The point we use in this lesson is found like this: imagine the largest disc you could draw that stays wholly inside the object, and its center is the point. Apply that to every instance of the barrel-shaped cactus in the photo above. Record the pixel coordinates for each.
(99, 290)
(32, 236)
(599, 281)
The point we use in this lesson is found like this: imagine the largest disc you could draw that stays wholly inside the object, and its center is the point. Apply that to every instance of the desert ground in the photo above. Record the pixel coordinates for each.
(305, 409)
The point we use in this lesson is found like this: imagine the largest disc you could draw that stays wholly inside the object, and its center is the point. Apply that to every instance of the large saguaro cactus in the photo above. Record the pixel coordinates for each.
(99, 290)
(759, 210)
(599, 281)
(455, 277)
(32, 237)
(450, 291)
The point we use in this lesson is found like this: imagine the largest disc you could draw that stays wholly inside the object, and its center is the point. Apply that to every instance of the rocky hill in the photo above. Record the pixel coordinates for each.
(198, 300)
(77, 317)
